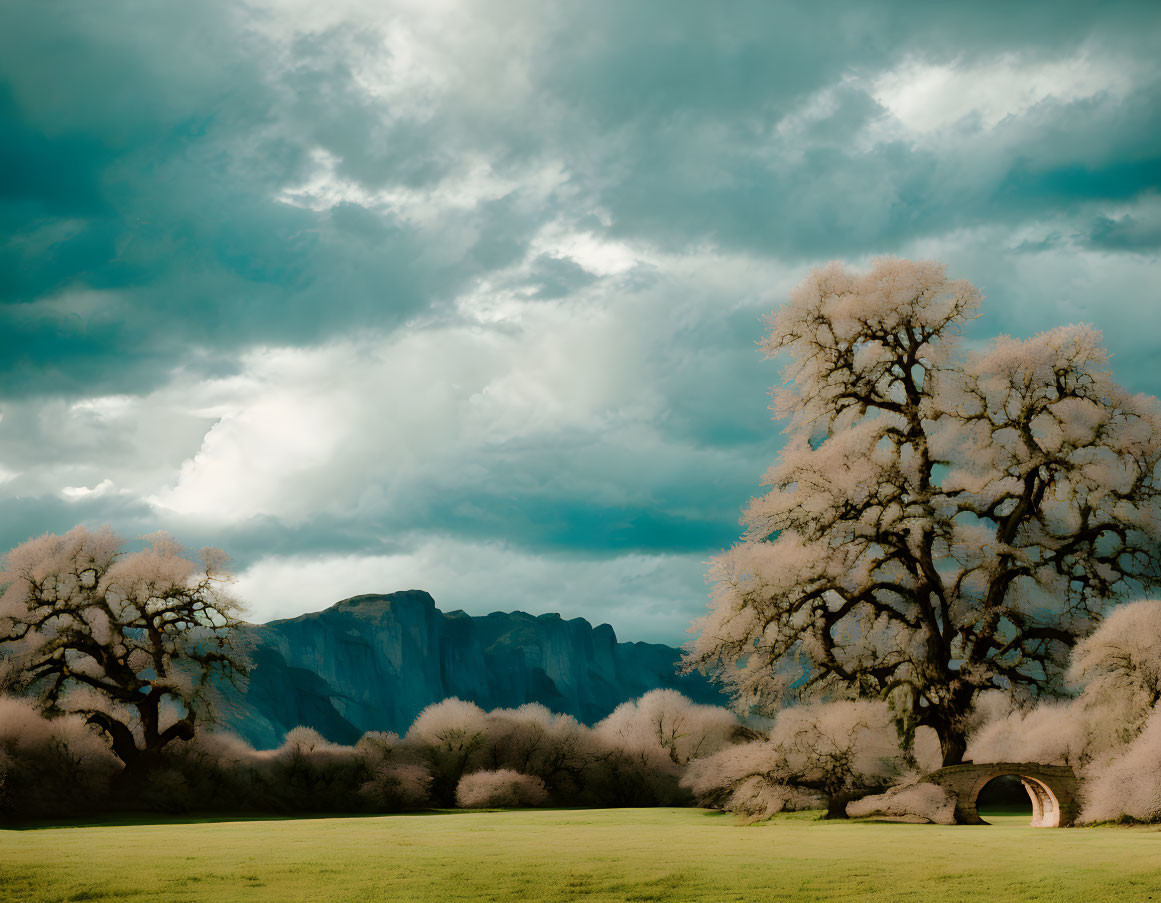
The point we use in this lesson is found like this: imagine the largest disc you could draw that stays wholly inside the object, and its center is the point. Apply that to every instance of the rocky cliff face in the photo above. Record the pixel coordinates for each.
(372, 663)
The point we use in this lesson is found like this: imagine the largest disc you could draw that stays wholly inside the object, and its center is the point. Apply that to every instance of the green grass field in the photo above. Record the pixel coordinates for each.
(612, 854)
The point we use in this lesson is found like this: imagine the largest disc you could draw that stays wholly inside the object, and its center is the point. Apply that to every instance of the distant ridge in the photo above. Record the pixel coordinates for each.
(373, 662)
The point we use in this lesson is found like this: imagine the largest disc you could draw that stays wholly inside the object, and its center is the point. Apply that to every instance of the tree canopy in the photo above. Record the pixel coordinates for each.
(128, 640)
(942, 519)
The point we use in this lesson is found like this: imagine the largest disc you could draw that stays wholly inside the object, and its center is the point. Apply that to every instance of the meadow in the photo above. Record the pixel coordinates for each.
(563, 855)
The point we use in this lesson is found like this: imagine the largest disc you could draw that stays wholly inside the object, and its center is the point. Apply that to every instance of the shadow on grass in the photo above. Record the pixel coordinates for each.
(1008, 816)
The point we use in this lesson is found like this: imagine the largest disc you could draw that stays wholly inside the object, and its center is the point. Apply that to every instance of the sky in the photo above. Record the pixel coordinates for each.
(466, 296)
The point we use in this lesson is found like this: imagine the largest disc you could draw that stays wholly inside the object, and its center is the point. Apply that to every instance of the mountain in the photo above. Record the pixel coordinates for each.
(372, 663)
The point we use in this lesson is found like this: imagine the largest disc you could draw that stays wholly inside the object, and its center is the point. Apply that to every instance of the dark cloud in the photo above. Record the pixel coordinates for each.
(1126, 233)
(146, 164)
(26, 518)
(558, 277)
(146, 151)
(184, 185)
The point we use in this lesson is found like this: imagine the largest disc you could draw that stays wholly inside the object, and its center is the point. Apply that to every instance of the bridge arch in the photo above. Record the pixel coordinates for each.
(1052, 789)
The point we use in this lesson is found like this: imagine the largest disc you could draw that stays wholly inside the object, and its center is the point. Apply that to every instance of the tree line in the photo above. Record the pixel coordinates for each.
(845, 757)
(454, 754)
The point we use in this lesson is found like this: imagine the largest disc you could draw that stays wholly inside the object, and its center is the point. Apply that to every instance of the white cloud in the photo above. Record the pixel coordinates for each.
(473, 183)
(311, 429)
(595, 254)
(572, 396)
(76, 493)
(380, 419)
(60, 448)
(104, 407)
(645, 597)
(926, 97)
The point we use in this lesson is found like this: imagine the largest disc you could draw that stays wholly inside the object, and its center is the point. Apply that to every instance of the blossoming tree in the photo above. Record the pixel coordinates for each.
(941, 520)
(130, 641)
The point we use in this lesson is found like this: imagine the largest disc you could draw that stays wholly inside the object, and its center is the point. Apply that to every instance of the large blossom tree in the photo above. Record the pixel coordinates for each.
(942, 520)
(131, 641)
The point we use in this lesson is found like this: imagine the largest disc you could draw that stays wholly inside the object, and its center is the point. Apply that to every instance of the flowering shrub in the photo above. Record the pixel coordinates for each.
(503, 788)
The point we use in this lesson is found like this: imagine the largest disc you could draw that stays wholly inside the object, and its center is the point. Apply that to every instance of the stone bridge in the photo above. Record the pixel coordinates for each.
(1052, 789)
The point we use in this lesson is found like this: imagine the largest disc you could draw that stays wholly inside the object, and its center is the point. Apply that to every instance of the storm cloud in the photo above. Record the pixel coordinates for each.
(467, 296)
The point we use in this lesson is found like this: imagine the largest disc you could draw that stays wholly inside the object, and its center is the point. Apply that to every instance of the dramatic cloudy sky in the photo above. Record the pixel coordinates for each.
(465, 296)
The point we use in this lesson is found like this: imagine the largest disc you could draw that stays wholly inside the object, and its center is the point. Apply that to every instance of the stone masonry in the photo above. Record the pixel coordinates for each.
(1052, 789)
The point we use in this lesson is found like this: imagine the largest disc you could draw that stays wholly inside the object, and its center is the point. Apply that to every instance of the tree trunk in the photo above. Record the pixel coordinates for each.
(129, 786)
(141, 762)
(836, 806)
(120, 737)
(954, 744)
